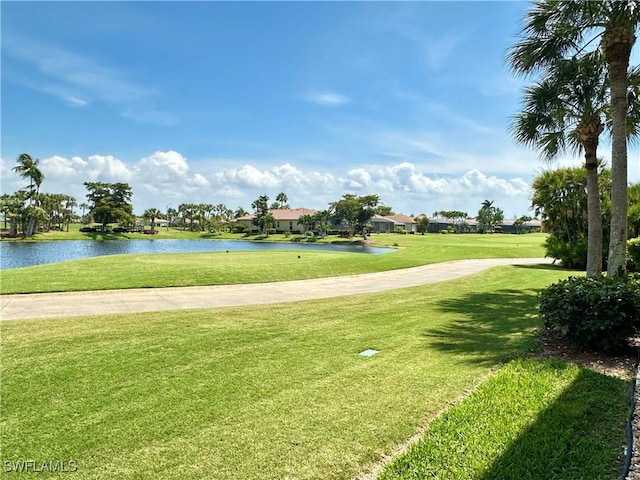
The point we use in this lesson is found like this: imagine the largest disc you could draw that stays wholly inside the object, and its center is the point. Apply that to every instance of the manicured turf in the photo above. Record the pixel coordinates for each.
(156, 270)
(533, 420)
(263, 392)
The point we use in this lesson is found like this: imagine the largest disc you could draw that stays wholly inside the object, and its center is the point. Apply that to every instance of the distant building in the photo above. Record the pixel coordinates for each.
(286, 219)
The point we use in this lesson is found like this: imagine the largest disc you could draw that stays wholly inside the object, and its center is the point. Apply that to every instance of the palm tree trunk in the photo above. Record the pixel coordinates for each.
(594, 215)
(30, 225)
(13, 226)
(617, 42)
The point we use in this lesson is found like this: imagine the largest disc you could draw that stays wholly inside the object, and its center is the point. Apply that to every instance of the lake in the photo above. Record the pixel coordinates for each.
(27, 254)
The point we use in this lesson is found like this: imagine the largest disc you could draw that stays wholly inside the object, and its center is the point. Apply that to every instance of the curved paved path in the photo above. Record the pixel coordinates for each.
(68, 304)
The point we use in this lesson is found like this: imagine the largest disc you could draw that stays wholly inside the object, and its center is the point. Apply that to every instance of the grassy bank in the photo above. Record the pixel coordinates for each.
(217, 268)
(262, 393)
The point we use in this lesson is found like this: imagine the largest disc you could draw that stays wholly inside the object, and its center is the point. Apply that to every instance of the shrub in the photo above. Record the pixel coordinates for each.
(238, 228)
(633, 249)
(572, 254)
(597, 313)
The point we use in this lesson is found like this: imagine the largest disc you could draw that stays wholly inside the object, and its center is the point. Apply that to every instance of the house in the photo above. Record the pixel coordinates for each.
(408, 223)
(510, 226)
(389, 223)
(438, 224)
(382, 224)
(286, 219)
(470, 225)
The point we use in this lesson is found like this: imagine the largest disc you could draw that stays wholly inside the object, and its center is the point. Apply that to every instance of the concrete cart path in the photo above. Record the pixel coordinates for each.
(69, 304)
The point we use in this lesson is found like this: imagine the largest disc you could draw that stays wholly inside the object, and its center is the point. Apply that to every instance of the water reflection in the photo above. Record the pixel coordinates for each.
(26, 254)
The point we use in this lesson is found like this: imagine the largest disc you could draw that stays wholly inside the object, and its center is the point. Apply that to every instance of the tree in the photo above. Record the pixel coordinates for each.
(354, 212)
(58, 208)
(172, 215)
(240, 212)
(13, 207)
(519, 223)
(634, 210)
(263, 218)
(84, 206)
(566, 112)
(110, 202)
(187, 212)
(204, 211)
(307, 222)
(554, 30)
(489, 217)
(560, 199)
(281, 202)
(423, 224)
(28, 168)
(150, 215)
(220, 216)
(384, 210)
(322, 222)
(457, 217)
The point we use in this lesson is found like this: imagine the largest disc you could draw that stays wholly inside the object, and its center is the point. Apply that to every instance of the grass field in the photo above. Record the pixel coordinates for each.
(164, 270)
(533, 420)
(280, 391)
(264, 392)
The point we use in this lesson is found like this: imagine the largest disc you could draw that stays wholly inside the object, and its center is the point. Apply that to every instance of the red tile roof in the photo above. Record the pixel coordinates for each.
(283, 214)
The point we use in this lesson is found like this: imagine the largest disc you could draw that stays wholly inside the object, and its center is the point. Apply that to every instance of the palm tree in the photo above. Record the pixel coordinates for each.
(554, 30)
(566, 112)
(306, 221)
(281, 202)
(67, 213)
(84, 206)
(28, 168)
(151, 214)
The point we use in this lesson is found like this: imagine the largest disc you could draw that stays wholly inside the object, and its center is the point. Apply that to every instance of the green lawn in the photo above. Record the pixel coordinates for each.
(163, 270)
(263, 392)
(533, 420)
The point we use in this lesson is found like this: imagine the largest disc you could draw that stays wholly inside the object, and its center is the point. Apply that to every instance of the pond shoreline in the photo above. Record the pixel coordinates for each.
(32, 253)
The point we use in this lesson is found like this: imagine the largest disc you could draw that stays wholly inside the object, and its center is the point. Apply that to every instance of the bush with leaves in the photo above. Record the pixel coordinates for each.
(599, 313)
(633, 255)
(572, 253)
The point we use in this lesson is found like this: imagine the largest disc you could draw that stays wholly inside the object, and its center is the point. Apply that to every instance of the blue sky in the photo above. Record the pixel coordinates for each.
(220, 102)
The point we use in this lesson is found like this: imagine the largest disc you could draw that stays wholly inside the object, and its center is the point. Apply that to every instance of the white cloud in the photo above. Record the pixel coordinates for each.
(251, 176)
(106, 168)
(198, 181)
(164, 167)
(359, 178)
(61, 167)
(166, 178)
(79, 80)
(327, 99)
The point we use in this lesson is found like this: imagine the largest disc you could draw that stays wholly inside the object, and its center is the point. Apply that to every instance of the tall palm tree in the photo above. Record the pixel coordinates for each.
(566, 112)
(554, 30)
(28, 168)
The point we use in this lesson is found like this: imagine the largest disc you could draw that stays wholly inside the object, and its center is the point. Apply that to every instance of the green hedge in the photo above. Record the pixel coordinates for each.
(597, 313)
